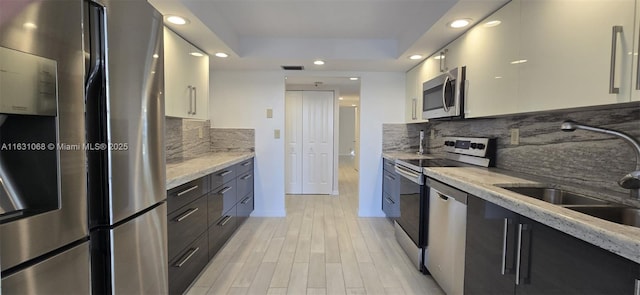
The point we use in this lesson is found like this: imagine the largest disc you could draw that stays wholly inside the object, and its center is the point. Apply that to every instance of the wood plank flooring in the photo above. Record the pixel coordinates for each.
(321, 247)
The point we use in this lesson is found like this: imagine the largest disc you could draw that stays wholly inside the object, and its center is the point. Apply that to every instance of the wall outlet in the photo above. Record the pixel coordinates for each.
(269, 113)
(276, 133)
(432, 134)
(515, 136)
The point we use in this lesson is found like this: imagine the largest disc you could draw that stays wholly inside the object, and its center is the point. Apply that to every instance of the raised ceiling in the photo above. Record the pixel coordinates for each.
(349, 35)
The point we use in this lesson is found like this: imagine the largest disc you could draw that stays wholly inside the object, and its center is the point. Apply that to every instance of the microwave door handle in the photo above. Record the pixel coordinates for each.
(444, 90)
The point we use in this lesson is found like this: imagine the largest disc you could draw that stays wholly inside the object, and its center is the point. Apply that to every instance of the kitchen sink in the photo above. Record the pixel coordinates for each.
(556, 196)
(618, 214)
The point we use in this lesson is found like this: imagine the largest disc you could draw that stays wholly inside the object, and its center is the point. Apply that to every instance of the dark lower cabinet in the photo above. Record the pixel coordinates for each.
(390, 190)
(507, 253)
(205, 213)
(187, 265)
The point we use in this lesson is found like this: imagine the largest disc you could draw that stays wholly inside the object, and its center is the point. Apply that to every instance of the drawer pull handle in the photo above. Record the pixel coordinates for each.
(187, 257)
(246, 163)
(225, 173)
(390, 177)
(246, 177)
(186, 214)
(224, 190)
(224, 220)
(246, 200)
(390, 201)
(187, 191)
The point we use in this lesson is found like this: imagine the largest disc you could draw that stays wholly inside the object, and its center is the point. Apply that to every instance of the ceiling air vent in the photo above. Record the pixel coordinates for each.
(292, 68)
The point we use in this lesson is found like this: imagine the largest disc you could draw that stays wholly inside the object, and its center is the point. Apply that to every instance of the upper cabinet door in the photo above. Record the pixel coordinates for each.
(488, 50)
(635, 73)
(413, 113)
(567, 57)
(186, 78)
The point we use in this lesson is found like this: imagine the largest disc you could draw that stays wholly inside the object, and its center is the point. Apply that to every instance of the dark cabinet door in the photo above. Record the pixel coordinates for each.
(556, 263)
(489, 253)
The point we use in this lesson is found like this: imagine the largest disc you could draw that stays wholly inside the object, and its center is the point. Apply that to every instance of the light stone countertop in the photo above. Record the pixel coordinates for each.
(194, 168)
(406, 155)
(482, 182)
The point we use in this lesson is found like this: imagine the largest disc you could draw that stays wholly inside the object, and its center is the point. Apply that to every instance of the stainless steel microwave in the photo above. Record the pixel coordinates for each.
(443, 96)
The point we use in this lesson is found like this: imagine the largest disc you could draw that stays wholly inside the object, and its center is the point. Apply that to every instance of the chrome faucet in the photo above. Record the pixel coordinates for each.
(630, 181)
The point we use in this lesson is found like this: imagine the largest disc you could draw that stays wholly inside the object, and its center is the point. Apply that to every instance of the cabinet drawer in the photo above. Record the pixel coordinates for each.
(222, 176)
(390, 207)
(391, 183)
(389, 165)
(186, 266)
(186, 193)
(245, 207)
(221, 230)
(244, 166)
(245, 184)
(221, 200)
(185, 224)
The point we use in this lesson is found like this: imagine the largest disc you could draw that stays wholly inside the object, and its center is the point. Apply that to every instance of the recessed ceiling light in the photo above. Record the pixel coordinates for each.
(196, 54)
(498, 77)
(415, 56)
(515, 62)
(492, 23)
(156, 56)
(30, 26)
(460, 23)
(438, 57)
(354, 105)
(221, 54)
(177, 20)
(354, 78)
(341, 98)
(318, 62)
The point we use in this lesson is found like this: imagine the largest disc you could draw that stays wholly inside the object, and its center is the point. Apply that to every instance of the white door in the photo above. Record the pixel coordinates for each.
(293, 139)
(309, 163)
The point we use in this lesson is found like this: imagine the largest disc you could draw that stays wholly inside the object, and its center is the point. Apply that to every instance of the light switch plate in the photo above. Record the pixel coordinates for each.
(269, 113)
(200, 133)
(515, 136)
(276, 133)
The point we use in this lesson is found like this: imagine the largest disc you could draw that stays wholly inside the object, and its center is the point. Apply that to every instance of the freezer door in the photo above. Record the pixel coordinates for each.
(50, 30)
(140, 258)
(136, 107)
(65, 273)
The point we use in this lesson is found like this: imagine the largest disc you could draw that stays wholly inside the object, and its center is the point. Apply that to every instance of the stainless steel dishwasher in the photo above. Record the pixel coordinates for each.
(447, 236)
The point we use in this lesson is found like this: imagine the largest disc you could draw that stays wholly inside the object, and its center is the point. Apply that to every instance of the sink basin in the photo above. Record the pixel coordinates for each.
(556, 196)
(622, 215)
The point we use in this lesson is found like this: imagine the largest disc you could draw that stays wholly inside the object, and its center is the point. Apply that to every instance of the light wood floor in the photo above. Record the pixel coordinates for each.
(321, 247)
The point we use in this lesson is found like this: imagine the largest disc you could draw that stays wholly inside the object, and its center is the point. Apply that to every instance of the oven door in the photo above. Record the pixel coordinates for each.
(412, 204)
(443, 96)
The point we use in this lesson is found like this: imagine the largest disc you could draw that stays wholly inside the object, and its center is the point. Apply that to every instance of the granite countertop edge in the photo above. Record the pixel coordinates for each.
(182, 172)
(485, 183)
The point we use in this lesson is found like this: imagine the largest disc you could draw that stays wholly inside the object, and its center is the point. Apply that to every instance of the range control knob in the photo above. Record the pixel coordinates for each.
(480, 146)
(449, 143)
(473, 145)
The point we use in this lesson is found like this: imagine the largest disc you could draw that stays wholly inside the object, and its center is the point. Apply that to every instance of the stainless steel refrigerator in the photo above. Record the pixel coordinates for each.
(82, 179)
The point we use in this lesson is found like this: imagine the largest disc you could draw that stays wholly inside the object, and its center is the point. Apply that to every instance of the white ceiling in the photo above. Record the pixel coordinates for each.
(349, 35)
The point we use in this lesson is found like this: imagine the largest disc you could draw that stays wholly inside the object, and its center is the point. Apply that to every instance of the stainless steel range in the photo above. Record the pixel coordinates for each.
(411, 226)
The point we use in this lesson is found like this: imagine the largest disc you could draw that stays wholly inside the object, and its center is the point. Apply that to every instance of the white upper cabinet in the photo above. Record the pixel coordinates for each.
(488, 50)
(568, 48)
(413, 101)
(186, 78)
(635, 73)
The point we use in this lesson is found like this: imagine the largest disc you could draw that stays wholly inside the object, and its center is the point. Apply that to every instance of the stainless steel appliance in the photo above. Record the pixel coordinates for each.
(447, 236)
(411, 226)
(82, 183)
(443, 96)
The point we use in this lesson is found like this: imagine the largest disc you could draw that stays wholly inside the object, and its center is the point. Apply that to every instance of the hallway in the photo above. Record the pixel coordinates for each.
(321, 247)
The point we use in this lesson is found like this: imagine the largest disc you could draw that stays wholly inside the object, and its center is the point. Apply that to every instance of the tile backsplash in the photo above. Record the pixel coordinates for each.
(186, 139)
(579, 157)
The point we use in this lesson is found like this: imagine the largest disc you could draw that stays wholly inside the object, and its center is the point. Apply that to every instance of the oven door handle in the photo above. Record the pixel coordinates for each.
(411, 175)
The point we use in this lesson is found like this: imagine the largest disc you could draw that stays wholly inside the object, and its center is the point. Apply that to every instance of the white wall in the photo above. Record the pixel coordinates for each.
(240, 100)
(347, 130)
